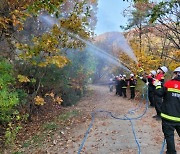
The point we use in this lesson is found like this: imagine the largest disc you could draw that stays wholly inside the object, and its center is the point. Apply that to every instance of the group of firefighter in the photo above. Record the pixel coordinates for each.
(164, 96)
(121, 84)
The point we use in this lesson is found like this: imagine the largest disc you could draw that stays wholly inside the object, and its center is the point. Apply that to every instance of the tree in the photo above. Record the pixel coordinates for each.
(158, 32)
(35, 48)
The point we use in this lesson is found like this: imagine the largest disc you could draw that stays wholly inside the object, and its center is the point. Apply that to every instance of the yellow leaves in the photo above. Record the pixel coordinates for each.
(23, 78)
(45, 48)
(4, 22)
(172, 66)
(59, 61)
(152, 60)
(51, 94)
(15, 17)
(56, 31)
(56, 99)
(39, 100)
(25, 56)
(42, 64)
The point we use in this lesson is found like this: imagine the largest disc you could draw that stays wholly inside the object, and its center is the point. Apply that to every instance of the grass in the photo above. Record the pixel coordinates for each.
(67, 115)
(26, 144)
(50, 126)
(38, 139)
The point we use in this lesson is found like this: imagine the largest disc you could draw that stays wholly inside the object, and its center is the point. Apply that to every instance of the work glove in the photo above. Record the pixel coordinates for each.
(157, 83)
(141, 77)
(147, 83)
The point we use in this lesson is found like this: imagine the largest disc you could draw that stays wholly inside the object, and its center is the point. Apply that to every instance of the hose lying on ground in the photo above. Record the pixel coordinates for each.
(121, 118)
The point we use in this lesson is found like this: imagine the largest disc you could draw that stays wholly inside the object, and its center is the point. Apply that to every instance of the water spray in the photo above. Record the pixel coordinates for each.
(111, 58)
(51, 21)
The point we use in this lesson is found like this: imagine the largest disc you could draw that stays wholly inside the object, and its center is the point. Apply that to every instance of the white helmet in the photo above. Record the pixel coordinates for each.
(164, 69)
(120, 75)
(124, 75)
(153, 72)
(131, 75)
(176, 70)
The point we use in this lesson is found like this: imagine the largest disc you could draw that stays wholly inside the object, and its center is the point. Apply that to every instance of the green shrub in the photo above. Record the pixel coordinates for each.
(10, 134)
(8, 96)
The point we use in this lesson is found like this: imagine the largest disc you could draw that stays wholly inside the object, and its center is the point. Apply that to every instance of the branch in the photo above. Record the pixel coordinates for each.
(166, 25)
(169, 37)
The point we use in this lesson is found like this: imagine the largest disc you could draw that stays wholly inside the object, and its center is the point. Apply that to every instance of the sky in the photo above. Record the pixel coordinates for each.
(110, 16)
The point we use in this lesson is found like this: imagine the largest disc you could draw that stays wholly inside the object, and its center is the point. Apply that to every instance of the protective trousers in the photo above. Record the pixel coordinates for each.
(116, 89)
(151, 97)
(158, 103)
(168, 128)
(120, 91)
(132, 89)
(124, 92)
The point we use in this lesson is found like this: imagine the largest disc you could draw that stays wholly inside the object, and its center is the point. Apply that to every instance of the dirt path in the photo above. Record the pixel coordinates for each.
(108, 135)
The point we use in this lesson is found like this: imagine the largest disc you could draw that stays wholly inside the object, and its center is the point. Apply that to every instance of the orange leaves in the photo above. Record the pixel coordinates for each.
(15, 16)
(39, 100)
(56, 99)
(77, 83)
(51, 94)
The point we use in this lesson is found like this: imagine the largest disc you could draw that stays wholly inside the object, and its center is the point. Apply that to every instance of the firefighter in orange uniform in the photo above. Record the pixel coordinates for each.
(170, 109)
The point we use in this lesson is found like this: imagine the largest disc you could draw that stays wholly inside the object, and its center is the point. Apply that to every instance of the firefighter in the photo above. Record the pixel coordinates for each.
(116, 84)
(170, 109)
(120, 85)
(111, 83)
(158, 100)
(132, 84)
(149, 80)
(160, 73)
(124, 86)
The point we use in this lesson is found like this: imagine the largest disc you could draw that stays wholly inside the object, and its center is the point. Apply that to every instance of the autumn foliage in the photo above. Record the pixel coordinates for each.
(153, 36)
(40, 52)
